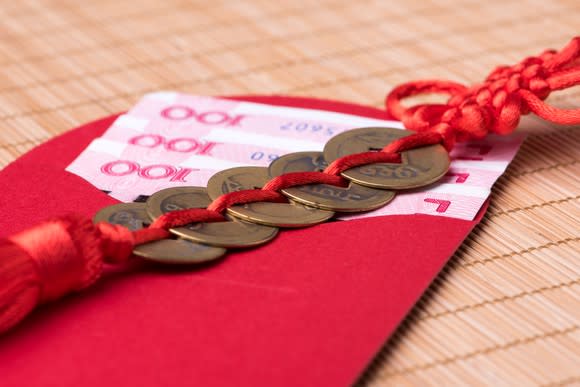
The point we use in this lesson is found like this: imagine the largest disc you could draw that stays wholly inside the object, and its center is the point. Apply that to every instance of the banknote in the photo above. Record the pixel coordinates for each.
(129, 178)
(169, 109)
(171, 139)
(440, 200)
(177, 149)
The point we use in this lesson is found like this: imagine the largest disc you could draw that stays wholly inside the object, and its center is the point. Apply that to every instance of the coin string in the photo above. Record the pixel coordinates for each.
(68, 253)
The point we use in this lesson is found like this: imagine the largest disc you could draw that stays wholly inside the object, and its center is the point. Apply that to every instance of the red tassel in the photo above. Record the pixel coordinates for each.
(67, 254)
(20, 290)
(44, 263)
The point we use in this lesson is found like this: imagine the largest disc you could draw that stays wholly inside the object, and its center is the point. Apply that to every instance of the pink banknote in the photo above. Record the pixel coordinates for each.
(439, 204)
(126, 179)
(169, 113)
(170, 139)
(156, 147)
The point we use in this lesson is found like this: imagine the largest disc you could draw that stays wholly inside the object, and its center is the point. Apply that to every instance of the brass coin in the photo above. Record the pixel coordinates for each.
(354, 198)
(177, 198)
(290, 214)
(419, 167)
(232, 233)
(178, 251)
(174, 251)
(131, 215)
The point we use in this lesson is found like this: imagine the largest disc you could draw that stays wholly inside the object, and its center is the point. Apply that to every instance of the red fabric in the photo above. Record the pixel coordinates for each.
(310, 308)
(496, 104)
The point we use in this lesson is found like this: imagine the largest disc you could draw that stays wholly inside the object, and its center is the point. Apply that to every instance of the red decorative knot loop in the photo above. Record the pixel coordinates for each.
(68, 254)
(496, 104)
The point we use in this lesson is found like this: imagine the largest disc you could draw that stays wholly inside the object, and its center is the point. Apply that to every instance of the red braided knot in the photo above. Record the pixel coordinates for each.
(69, 253)
(496, 104)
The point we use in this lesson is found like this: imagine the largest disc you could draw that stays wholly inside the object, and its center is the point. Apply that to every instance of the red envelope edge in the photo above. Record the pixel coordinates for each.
(311, 308)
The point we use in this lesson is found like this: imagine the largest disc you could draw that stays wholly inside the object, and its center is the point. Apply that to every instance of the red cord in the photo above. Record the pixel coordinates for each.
(496, 104)
(68, 254)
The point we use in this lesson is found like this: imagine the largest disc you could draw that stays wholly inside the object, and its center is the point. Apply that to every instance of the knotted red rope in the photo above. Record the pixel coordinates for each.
(496, 104)
(68, 254)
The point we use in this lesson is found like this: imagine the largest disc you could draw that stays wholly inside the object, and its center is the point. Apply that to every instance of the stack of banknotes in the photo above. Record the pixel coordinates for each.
(170, 139)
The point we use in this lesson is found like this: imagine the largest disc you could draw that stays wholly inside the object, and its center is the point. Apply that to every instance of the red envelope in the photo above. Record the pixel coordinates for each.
(310, 308)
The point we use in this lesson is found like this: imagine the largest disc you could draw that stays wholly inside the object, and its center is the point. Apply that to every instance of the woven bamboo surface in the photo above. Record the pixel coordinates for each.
(506, 309)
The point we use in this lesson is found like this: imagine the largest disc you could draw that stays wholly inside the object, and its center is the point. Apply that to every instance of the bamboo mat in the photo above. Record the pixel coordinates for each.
(506, 309)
